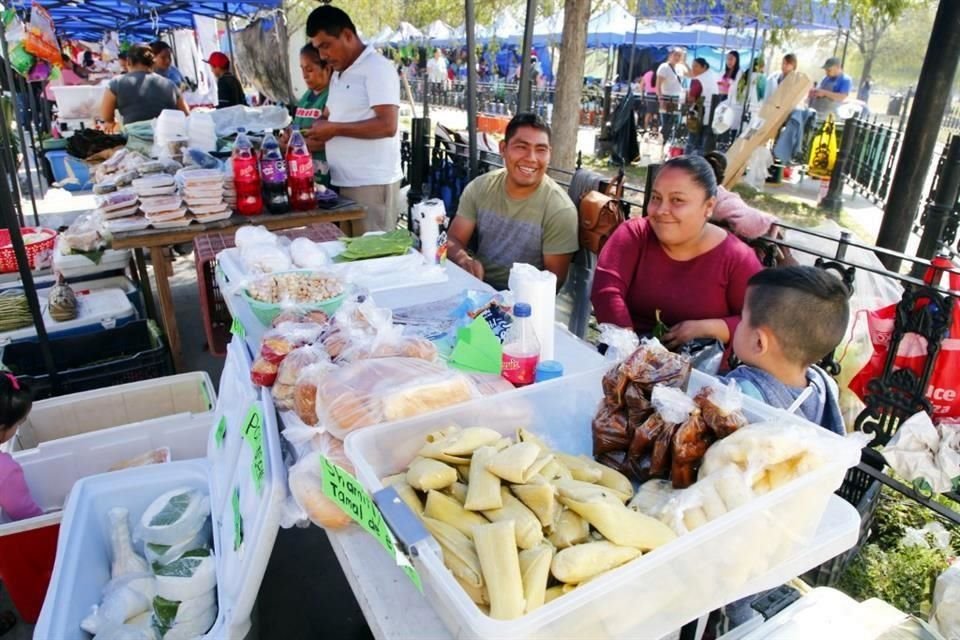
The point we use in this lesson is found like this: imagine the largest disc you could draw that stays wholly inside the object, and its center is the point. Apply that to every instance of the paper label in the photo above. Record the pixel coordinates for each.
(221, 432)
(237, 520)
(253, 434)
(236, 328)
(347, 493)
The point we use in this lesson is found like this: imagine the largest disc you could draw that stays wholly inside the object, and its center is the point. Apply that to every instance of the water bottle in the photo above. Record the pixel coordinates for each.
(521, 349)
(273, 171)
(246, 176)
(300, 170)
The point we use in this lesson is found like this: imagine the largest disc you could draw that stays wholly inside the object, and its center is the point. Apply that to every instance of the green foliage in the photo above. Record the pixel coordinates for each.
(902, 576)
(896, 512)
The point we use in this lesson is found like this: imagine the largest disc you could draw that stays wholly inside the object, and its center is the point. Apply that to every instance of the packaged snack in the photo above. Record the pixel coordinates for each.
(263, 372)
(300, 316)
(305, 391)
(116, 199)
(610, 431)
(653, 364)
(160, 204)
(722, 408)
(289, 372)
(280, 341)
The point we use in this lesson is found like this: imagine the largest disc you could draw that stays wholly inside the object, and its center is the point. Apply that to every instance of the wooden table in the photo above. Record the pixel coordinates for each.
(159, 242)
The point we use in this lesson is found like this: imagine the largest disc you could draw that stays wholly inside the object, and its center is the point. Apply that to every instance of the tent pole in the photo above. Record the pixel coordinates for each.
(753, 58)
(633, 45)
(23, 140)
(523, 104)
(233, 57)
(471, 26)
(846, 43)
(10, 165)
(36, 122)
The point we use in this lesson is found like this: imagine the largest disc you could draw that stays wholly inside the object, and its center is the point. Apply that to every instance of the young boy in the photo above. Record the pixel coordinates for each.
(792, 317)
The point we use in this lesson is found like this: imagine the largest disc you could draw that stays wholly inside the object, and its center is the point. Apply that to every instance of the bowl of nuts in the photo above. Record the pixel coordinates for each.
(270, 294)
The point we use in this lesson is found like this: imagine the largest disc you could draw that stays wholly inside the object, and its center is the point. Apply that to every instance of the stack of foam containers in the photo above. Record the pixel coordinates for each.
(82, 567)
(201, 131)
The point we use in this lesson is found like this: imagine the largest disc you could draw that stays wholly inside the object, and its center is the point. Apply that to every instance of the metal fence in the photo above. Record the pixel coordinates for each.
(875, 147)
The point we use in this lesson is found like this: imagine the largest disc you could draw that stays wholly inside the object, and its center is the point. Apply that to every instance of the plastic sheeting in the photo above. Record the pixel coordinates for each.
(270, 74)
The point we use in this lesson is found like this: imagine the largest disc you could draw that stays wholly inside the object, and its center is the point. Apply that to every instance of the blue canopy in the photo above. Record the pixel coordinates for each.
(817, 16)
(139, 19)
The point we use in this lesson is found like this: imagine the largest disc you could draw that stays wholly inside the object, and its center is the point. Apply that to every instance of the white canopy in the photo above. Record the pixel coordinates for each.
(439, 30)
(382, 37)
(505, 26)
(550, 25)
(406, 32)
(615, 20)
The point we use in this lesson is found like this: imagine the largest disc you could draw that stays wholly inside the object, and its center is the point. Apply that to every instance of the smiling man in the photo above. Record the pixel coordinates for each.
(359, 127)
(518, 213)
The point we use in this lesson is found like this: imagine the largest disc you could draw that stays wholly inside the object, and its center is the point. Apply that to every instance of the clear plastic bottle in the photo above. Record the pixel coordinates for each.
(300, 170)
(273, 170)
(521, 349)
(246, 176)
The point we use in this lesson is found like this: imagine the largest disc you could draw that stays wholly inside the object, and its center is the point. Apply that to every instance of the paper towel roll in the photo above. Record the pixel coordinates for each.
(539, 290)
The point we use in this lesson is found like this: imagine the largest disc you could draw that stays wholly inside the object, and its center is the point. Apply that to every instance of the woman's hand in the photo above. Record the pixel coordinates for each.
(688, 330)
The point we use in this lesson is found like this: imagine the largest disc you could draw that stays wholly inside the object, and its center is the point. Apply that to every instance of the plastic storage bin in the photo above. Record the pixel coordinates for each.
(71, 173)
(185, 395)
(649, 597)
(82, 566)
(76, 266)
(28, 547)
(79, 101)
(97, 310)
(133, 352)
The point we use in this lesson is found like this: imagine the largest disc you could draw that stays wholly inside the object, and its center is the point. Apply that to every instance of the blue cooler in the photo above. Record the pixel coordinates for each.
(71, 173)
(96, 311)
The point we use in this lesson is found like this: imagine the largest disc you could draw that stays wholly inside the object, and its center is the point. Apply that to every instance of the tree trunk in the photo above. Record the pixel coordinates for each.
(867, 68)
(566, 106)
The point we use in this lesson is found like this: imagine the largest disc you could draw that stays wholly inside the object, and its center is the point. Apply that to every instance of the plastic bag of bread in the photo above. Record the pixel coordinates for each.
(306, 484)
(301, 316)
(722, 408)
(653, 364)
(355, 325)
(707, 499)
(388, 341)
(263, 372)
(305, 391)
(280, 341)
(290, 370)
(369, 392)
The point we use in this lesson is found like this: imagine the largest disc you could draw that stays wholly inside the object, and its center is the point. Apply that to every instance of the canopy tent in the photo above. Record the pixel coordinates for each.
(506, 28)
(549, 27)
(438, 30)
(406, 32)
(610, 27)
(816, 16)
(143, 19)
(383, 37)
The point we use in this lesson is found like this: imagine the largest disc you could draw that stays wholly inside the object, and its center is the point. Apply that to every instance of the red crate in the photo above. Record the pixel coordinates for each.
(216, 317)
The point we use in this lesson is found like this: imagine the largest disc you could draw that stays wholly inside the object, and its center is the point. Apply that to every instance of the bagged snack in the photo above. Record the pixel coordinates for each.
(653, 364)
(370, 392)
(289, 372)
(690, 443)
(283, 339)
(615, 383)
(306, 484)
(301, 316)
(721, 408)
(305, 390)
(638, 406)
(263, 372)
(389, 342)
(87, 233)
(610, 431)
(620, 341)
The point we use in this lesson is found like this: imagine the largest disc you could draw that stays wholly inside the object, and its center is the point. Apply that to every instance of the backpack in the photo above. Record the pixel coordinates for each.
(600, 214)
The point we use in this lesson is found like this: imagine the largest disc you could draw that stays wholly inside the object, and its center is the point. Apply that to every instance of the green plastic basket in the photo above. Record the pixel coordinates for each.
(266, 311)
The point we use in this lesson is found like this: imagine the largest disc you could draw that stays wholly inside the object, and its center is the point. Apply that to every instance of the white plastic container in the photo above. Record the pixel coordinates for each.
(186, 395)
(104, 308)
(647, 598)
(79, 102)
(83, 559)
(75, 266)
(201, 131)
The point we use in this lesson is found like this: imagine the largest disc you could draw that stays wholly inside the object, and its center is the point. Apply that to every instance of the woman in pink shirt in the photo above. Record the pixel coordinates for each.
(673, 261)
(16, 503)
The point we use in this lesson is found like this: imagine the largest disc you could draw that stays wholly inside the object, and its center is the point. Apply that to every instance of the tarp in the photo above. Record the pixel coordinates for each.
(269, 74)
(140, 19)
(816, 16)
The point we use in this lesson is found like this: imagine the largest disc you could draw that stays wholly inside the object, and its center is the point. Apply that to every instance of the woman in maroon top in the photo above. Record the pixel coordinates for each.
(694, 273)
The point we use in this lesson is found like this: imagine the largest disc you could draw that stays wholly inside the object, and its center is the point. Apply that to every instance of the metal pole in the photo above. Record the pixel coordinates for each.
(9, 161)
(35, 121)
(471, 25)
(523, 102)
(833, 201)
(753, 59)
(938, 211)
(933, 90)
(633, 45)
(23, 140)
(26, 277)
(846, 43)
(233, 57)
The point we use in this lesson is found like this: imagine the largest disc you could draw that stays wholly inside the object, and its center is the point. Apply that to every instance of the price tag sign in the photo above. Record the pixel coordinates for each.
(236, 328)
(221, 433)
(237, 520)
(253, 434)
(347, 493)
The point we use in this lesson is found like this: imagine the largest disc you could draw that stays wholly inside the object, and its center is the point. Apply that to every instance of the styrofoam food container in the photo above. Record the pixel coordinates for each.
(649, 597)
(82, 566)
(166, 215)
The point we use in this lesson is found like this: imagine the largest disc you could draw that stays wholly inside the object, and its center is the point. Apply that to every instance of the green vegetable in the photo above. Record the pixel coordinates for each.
(165, 612)
(172, 511)
(659, 329)
(903, 576)
(393, 243)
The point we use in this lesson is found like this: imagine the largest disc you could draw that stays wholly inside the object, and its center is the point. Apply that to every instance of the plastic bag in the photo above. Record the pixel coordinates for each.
(610, 431)
(356, 325)
(945, 614)
(620, 342)
(305, 391)
(389, 342)
(252, 236)
(173, 517)
(653, 364)
(919, 453)
(307, 255)
(673, 405)
(709, 498)
(931, 535)
(306, 484)
(253, 119)
(721, 407)
(277, 343)
(87, 233)
(757, 167)
(370, 392)
(290, 370)
(21, 60)
(41, 38)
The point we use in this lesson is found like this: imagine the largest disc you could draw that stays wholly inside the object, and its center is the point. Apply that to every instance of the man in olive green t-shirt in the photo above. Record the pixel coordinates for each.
(518, 213)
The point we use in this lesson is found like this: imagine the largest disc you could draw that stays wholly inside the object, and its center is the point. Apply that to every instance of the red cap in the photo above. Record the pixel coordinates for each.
(219, 60)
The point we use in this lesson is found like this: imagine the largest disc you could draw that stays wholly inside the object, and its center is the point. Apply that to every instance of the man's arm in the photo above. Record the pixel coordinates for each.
(382, 125)
(559, 265)
(458, 237)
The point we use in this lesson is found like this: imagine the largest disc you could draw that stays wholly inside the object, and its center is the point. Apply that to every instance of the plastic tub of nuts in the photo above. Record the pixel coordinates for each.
(270, 294)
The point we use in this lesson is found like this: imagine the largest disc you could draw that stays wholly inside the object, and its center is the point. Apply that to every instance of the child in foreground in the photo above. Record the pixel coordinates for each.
(792, 318)
(16, 503)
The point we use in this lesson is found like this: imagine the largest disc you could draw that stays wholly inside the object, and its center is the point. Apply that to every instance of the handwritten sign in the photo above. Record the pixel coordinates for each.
(347, 493)
(237, 520)
(253, 433)
(236, 328)
(221, 433)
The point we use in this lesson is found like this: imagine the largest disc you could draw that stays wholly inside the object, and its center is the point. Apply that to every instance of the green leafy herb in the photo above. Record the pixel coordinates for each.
(172, 511)
(392, 243)
(165, 612)
(659, 329)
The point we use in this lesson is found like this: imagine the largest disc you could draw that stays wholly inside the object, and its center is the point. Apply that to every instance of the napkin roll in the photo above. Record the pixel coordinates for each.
(539, 290)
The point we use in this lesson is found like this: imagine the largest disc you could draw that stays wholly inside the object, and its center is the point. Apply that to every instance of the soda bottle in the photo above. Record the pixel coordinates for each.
(521, 349)
(273, 171)
(246, 176)
(300, 168)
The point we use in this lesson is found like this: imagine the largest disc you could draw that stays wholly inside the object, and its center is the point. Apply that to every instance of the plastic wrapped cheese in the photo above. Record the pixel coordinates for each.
(172, 613)
(189, 576)
(174, 517)
(164, 554)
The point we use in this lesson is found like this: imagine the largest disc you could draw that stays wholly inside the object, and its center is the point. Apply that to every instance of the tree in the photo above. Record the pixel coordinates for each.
(566, 110)
(871, 19)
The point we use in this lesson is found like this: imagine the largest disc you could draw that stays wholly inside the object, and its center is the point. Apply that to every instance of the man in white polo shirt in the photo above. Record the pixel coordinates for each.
(360, 128)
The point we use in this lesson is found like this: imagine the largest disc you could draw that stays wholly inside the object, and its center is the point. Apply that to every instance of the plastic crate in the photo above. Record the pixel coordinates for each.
(216, 317)
(136, 351)
(863, 492)
(73, 174)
